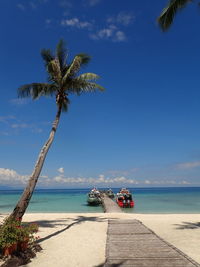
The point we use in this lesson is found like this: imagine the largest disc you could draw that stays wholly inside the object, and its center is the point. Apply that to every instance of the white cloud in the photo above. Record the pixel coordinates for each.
(106, 33)
(12, 125)
(32, 127)
(111, 32)
(100, 180)
(11, 177)
(120, 36)
(18, 101)
(6, 119)
(165, 182)
(185, 182)
(44, 176)
(20, 125)
(61, 170)
(75, 22)
(122, 18)
(37, 130)
(31, 5)
(187, 165)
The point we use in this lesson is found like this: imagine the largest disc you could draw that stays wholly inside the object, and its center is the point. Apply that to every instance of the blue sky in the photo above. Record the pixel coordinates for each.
(144, 130)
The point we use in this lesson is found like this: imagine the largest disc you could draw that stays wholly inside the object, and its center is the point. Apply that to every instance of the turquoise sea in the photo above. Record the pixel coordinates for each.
(147, 200)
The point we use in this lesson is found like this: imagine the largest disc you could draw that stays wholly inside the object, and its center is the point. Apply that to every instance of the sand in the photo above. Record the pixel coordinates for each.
(79, 239)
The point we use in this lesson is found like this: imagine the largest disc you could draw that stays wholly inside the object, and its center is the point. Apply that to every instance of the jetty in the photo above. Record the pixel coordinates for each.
(109, 205)
(130, 243)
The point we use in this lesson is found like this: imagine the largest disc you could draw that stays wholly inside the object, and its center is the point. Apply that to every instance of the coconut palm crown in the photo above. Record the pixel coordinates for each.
(63, 79)
(167, 16)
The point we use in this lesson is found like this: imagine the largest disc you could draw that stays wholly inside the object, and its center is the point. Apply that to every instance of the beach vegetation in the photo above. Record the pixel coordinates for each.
(16, 236)
(168, 14)
(64, 79)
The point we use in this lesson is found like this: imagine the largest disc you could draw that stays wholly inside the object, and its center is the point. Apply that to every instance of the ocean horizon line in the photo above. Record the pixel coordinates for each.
(100, 188)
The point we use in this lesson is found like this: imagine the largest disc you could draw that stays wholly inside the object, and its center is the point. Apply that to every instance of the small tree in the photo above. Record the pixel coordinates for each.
(63, 80)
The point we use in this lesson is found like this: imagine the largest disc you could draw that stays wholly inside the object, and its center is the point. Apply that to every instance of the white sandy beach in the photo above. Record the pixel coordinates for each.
(79, 239)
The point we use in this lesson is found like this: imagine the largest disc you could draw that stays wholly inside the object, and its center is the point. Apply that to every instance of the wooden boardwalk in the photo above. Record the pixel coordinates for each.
(109, 205)
(131, 244)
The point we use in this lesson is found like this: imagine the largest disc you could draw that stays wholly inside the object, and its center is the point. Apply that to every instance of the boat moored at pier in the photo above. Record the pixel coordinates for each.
(110, 193)
(124, 199)
(94, 197)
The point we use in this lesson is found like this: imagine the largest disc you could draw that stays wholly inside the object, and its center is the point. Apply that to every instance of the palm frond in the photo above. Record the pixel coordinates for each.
(79, 86)
(54, 71)
(35, 90)
(93, 86)
(47, 56)
(88, 76)
(167, 16)
(73, 69)
(61, 53)
(62, 77)
(85, 58)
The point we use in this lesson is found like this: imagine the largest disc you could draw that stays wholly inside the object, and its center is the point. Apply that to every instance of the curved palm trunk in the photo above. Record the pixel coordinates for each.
(22, 204)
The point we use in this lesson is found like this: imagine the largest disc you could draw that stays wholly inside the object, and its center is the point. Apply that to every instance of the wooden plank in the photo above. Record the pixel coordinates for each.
(129, 253)
(121, 221)
(131, 244)
(140, 245)
(149, 263)
(109, 205)
(137, 240)
(128, 229)
(133, 238)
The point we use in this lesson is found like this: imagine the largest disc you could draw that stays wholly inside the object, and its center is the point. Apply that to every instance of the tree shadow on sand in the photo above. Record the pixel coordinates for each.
(188, 225)
(51, 223)
(63, 222)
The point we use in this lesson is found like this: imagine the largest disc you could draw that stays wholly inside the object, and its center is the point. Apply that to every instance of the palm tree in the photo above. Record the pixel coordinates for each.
(63, 80)
(167, 16)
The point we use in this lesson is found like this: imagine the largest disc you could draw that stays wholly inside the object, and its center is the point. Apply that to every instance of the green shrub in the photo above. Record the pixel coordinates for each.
(14, 231)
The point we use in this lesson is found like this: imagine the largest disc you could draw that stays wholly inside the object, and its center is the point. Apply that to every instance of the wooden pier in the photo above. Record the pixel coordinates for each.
(131, 244)
(109, 205)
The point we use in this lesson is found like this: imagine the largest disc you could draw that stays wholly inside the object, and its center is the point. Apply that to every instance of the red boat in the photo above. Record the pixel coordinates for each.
(124, 199)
